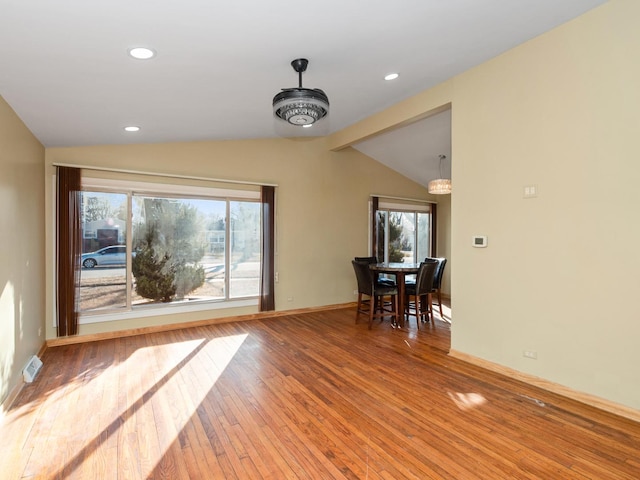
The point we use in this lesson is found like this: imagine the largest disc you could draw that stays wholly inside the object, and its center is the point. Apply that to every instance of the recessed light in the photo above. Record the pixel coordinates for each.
(142, 53)
(391, 76)
(132, 128)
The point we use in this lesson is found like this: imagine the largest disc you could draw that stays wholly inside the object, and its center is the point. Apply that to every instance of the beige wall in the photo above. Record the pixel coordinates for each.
(560, 276)
(561, 273)
(22, 252)
(443, 242)
(322, 209)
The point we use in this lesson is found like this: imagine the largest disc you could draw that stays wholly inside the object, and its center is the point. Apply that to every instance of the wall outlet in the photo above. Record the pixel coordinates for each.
(289, 299)
(530, 354)
(355, 292)
(277, 277)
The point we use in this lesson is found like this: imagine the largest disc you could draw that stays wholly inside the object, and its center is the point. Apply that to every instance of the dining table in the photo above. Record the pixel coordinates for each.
(400, 270)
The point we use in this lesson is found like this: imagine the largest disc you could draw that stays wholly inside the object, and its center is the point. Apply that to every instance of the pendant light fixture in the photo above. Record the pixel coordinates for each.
(440, 186)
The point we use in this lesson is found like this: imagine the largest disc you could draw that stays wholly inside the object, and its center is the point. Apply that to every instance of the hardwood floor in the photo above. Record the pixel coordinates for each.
(310, 396)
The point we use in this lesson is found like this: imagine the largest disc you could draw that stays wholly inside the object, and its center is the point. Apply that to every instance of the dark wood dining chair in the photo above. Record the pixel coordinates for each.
(437, 282)
(383, 280)
(418, 295)
(374, 305)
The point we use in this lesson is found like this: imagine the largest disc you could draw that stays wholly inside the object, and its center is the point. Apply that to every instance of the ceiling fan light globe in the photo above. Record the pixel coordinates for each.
(300, 106)
(301, 116)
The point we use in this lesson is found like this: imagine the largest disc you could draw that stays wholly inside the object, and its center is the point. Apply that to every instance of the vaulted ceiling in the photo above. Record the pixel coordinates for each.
(66, 71)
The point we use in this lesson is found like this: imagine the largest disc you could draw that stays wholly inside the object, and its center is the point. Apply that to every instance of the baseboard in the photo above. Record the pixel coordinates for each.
(586, 398)
(57, 342)
(8, 402)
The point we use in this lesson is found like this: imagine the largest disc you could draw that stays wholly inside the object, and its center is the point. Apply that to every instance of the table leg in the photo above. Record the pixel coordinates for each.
(401, 286)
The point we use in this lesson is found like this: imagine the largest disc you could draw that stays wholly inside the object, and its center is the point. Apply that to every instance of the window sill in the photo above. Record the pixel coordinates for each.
(164, 309)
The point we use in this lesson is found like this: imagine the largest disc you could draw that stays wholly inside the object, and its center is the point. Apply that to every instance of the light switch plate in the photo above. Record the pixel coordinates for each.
(530, 191)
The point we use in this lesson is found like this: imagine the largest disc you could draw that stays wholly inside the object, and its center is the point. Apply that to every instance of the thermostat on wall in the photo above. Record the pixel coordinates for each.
(479, 241)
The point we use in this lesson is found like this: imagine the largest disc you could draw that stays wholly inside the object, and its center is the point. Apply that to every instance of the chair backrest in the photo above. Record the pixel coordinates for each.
(437, 281)
(426, 276)
(364, 277)
(366, 260)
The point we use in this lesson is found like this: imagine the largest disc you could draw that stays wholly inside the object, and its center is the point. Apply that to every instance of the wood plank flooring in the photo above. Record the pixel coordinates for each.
(312, 396)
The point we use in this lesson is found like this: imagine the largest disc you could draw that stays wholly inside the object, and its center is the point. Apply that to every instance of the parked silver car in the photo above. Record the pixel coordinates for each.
(115, 255)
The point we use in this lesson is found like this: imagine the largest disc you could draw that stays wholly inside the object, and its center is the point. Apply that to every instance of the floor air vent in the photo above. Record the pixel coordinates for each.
(31, 370)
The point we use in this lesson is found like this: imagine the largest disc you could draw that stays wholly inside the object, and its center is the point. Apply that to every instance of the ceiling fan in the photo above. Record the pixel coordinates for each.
(299, 106)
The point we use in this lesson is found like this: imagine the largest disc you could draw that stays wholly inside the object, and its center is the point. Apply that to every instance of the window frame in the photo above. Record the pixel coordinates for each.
(407, 207)
(163, 189)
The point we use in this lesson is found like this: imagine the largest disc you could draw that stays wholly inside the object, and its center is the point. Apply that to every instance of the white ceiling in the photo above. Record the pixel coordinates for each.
(414, 150)
(65, 71)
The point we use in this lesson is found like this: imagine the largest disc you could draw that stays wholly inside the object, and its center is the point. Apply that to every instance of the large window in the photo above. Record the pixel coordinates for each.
(149, 247)
(404, 233)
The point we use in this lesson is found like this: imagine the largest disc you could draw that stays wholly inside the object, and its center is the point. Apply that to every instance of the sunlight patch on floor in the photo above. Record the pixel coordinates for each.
(201, 373)
(121, 416)
(467, 401)
(446, 313)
